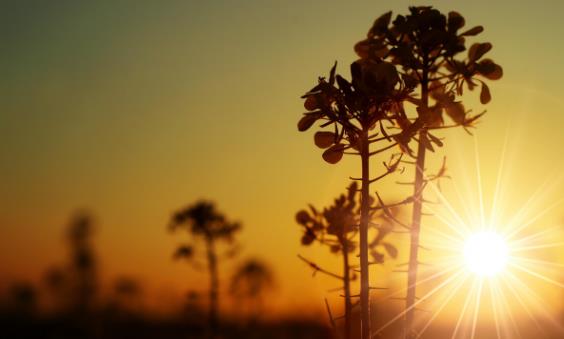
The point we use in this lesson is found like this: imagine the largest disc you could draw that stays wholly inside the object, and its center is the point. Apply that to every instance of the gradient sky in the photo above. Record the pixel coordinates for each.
(133, 109)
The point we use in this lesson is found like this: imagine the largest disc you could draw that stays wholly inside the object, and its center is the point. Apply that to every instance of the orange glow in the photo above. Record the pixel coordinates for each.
(134, 111)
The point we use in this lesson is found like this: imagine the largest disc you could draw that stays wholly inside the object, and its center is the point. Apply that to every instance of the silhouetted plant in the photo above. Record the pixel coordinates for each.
(205, 223)
(126, 295)
(249, 283)
(56, 281)
(23, 299)
(337, 227)
(358, 112)
(427, 45)
(73, 286)
(83, 262)
(193, 308)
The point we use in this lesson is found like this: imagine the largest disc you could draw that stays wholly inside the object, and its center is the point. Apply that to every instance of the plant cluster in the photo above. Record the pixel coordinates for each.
(411, 75)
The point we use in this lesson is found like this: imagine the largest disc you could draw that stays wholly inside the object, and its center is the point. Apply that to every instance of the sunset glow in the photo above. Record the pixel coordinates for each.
(391, 168)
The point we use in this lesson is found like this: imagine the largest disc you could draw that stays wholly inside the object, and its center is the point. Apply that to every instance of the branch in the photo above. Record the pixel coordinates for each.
(316, 268)
(335, 289)
(405, 183)
(405, 201)
(331, 320)
(431, 89)
(387, 137)
(382, 149)
(390, 215)
(441, 174)
(390, 168)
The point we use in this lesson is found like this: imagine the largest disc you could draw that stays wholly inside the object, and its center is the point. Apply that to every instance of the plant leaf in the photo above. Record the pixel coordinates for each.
(485, 95)
(324, 139)
(307, 239)
(387, 74)
(478, 50)
(473, 31)
(380, 25)
(391, 249)
(306, 121)
(456, 112)
(302, 217)
(378, 257)
(334, 154)
(427, 144)
(362, 49)
(332, 74)
(436, 140)
(490, 69)
(310, 103)
(455, 21)
(184, 252)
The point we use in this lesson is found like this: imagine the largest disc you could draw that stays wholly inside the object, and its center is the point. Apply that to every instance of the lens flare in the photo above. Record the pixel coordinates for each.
(487, 260)
(485, 253)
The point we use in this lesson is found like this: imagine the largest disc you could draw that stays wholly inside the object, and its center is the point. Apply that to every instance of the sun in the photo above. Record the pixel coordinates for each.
(485, 253)
(494, 260)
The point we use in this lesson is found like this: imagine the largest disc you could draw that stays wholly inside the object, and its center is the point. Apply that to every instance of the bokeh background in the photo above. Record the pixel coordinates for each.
(133, 109)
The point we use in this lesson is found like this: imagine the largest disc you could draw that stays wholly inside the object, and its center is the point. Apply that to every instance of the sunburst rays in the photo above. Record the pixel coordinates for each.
(504, 300)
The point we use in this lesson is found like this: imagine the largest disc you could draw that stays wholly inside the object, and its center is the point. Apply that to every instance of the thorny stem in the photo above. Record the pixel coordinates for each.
(347, 290)
(214, 286)
(363, 230)
(416, 217)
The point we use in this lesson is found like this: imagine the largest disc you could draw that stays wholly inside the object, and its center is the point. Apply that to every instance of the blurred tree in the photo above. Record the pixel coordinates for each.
(83, 269)
(204, 222)
(56, 281)
(23, 299)
(72, 287)
(337, 227)
(360, 112)
(249, 282)
(126, 295)
(193, 308)
(427, 45)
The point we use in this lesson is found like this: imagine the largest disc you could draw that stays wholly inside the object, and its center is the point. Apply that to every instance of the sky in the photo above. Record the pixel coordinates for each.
(134, 109)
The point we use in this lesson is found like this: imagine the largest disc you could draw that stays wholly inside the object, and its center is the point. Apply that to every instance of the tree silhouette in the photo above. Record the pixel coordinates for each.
(358, 112)
(337, 227)
(73, 286)
(428, 45)
(249, 282)
(193, 309)
(56, 283)
(205, 223)
(83, 269)
(23, 299)
(126, 296)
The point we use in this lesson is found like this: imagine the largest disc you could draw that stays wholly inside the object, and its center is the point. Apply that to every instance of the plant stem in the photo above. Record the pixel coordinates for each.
(214, 286)
(363, 230)
(416, 217)
(347, 289)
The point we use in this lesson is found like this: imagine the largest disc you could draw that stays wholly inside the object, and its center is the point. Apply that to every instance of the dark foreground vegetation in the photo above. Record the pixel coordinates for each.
(107, 325)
